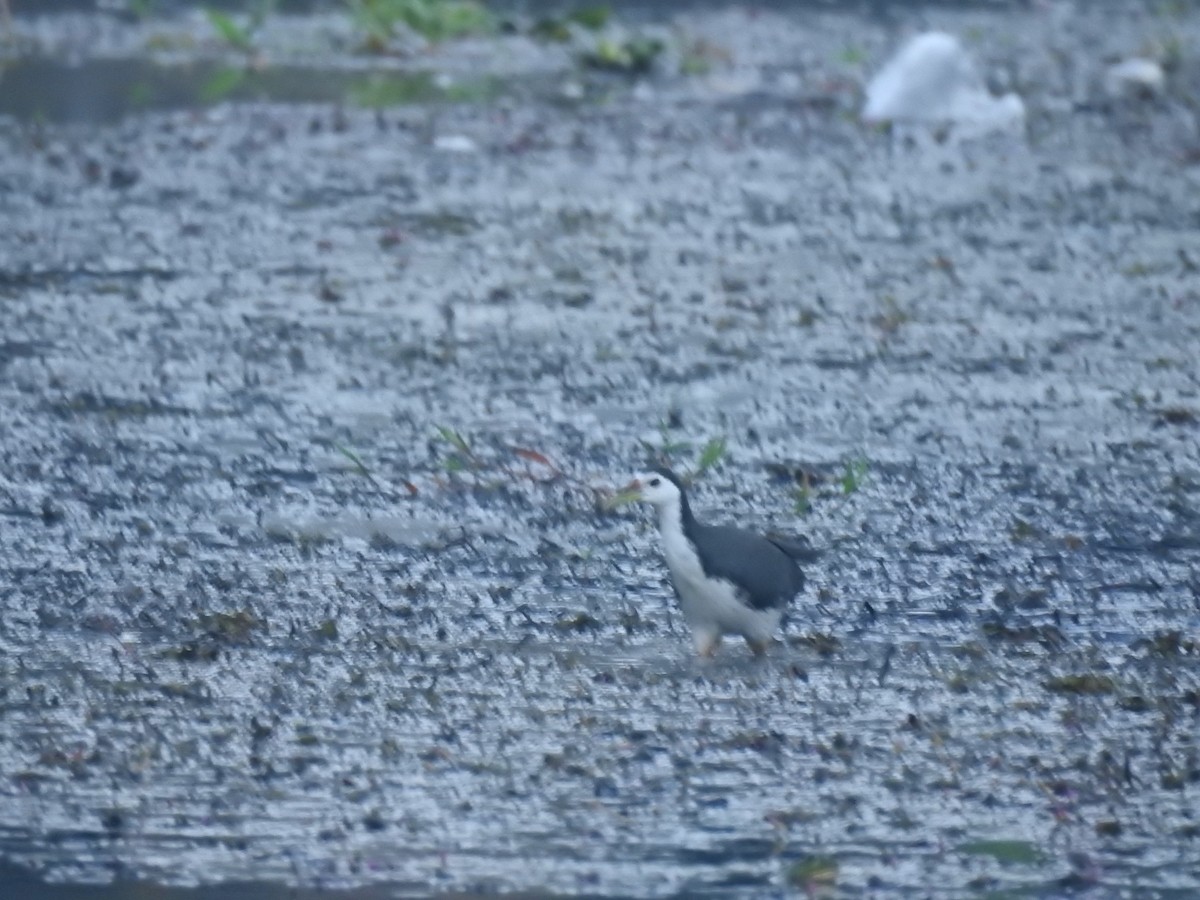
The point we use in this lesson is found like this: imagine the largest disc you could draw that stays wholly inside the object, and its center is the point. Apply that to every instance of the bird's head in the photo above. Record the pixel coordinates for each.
(658, 487)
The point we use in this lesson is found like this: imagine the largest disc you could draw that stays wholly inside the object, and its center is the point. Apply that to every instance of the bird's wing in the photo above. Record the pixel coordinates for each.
(765, 574)
(797, 547)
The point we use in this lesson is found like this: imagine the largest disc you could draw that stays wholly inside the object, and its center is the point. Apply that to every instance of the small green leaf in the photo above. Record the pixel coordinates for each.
(233, 33)
(143, 9)
(693, 63)
(643, 52)
(359, 465)
(610, 53)
(813, 870)
(1022, 530)
(435, 20)
(852, 55)
(633, 56)
(327, 630)
(621, 498)
(713, 453)
(222, 83)
(853, 474)
(802, 498)
(551, 30)
(353, 457)
(592, 17)
(1017, 852)
(454, 439)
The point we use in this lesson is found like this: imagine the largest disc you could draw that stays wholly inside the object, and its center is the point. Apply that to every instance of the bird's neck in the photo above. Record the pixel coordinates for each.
(675, 518)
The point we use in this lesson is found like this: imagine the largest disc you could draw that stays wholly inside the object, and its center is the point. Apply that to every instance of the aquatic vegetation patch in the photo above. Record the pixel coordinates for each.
(434, 20)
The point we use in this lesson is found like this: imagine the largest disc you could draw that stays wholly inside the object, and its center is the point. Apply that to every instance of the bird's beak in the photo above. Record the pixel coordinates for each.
(634, 488)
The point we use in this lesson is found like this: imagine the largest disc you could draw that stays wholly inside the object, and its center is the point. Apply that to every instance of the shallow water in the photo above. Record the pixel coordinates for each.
(261, 622)
(104, 91)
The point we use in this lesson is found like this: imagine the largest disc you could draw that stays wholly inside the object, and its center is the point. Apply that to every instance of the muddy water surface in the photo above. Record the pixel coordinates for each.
(263, 619)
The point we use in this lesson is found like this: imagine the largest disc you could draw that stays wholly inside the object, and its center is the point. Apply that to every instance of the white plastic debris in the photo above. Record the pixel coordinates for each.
(455, 143)
(1136, 76)
(932, 79)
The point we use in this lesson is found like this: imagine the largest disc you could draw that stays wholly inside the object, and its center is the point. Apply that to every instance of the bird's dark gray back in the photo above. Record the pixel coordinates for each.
(769, 577)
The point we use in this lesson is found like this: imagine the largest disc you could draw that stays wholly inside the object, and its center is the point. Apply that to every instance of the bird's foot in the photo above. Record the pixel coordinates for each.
(708, 645)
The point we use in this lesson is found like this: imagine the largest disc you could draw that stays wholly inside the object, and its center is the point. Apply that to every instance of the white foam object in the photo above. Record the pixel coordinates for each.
(932, 79)
(1136, 75)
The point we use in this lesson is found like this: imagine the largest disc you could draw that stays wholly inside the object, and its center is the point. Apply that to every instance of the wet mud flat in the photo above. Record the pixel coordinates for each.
(302, 578)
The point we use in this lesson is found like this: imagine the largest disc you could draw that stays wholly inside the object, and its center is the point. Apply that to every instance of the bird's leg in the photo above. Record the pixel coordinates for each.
(707, 643)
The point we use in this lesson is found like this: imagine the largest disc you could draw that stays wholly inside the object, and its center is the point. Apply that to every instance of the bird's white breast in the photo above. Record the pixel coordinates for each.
(708, 604)
(712, 606)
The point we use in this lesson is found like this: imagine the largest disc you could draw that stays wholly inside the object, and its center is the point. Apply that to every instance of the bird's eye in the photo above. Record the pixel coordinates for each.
(655, 482)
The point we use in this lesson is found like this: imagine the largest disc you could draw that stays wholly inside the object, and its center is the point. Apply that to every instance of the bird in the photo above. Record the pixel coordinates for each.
(727, 580)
